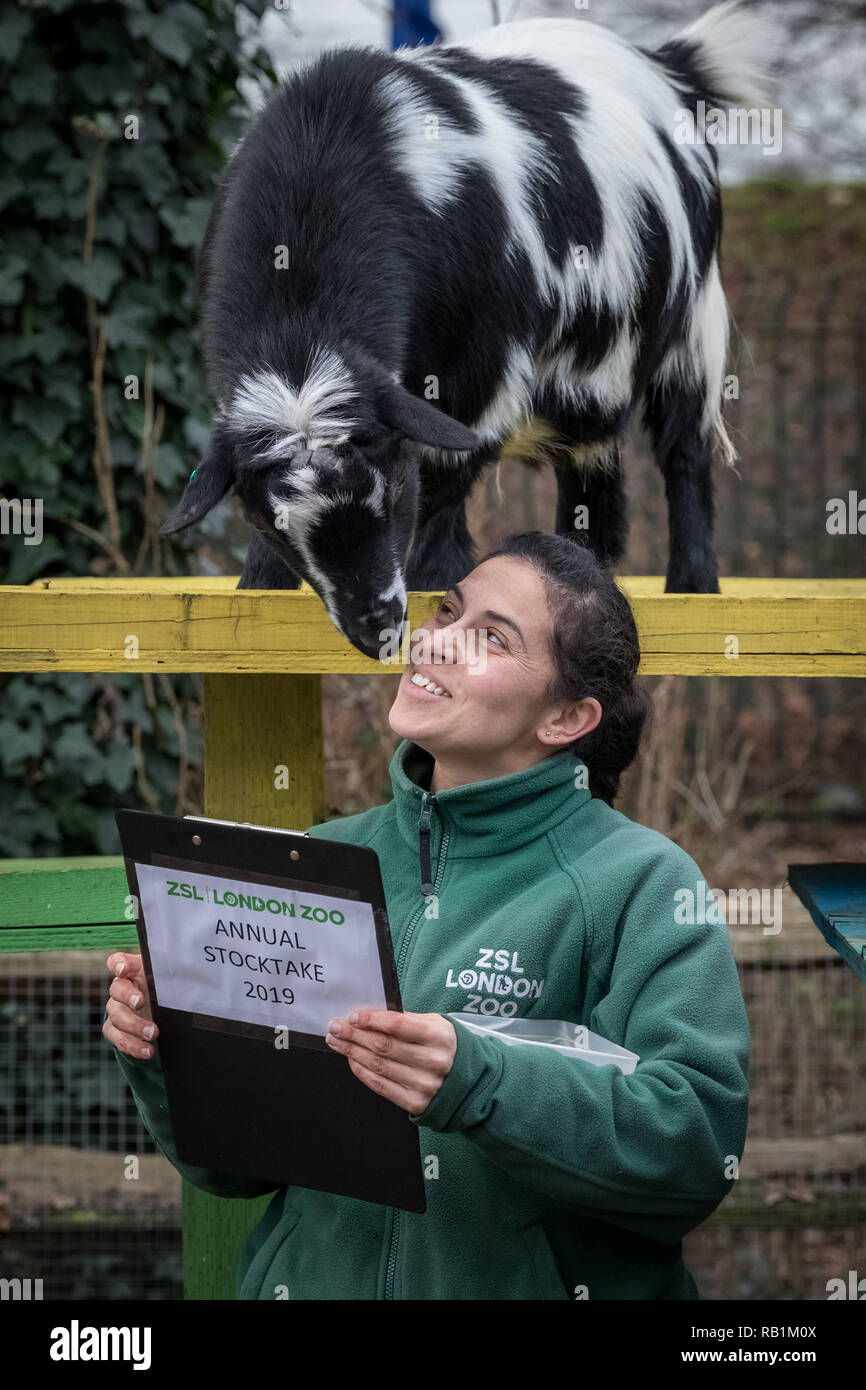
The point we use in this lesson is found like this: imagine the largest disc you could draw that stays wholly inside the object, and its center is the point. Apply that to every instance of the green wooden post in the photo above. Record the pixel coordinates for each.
(255, 727)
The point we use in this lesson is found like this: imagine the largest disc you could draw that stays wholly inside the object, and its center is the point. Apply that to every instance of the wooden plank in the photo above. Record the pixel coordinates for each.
(818, 1156)
(652, 586)
(795, 1181)
(51, 1184)
(77, 861)
(67, 962)
(255, 726)
(782, 627)
(90, 891)
(171, 583)
(640, 585)
(763, 1206)
(103, 938)
(74, 904)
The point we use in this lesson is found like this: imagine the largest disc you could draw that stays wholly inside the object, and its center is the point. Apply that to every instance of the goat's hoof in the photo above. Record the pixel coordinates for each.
(692, 586)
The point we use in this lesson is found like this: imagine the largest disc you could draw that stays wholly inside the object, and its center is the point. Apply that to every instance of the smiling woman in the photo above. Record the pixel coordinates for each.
(535, 651)
(548, 1176)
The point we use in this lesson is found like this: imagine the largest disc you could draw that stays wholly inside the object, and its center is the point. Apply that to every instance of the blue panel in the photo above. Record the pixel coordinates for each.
(835, 895)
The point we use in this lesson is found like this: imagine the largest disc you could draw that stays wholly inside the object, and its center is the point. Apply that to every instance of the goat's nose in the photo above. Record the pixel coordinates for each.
(376, 619)
(384, 616)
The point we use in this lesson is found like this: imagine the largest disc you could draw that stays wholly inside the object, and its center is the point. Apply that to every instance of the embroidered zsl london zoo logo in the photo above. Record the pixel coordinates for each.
(498, 980)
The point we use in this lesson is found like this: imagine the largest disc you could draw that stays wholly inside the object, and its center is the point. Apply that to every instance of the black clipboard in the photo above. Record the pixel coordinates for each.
(295, 1116)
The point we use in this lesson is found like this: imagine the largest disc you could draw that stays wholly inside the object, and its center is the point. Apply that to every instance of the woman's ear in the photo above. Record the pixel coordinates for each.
(208, 484)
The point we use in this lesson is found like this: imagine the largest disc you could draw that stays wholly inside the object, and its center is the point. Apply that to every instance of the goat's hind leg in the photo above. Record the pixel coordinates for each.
(672, 414)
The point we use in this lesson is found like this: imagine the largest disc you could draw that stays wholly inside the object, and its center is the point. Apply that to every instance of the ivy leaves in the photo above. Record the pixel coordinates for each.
(116, 118)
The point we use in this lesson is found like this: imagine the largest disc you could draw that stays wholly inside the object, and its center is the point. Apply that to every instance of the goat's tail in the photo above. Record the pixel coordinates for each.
(726, 55)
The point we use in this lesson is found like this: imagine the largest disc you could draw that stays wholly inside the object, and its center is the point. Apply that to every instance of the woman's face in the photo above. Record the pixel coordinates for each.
(488, 650)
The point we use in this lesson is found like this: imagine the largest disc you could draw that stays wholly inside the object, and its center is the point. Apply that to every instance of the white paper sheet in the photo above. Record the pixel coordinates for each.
(287, 958)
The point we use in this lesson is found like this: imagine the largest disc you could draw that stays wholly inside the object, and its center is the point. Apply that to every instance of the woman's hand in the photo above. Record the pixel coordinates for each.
(129, 1026)
(404, 1057)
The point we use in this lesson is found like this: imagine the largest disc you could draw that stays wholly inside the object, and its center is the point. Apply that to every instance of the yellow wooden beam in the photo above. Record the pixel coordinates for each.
(781, 627)
(263, 762)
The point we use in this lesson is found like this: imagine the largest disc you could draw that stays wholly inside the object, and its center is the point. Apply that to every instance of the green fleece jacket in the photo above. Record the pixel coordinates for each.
(547, 1176)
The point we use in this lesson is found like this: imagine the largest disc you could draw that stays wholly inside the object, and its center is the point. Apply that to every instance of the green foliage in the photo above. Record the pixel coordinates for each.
(116, 119)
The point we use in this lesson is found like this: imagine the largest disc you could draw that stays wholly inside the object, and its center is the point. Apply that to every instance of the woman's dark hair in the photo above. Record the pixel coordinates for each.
(595, 650)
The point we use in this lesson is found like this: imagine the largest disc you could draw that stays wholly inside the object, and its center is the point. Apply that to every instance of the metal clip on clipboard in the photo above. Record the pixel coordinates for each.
(250, 824)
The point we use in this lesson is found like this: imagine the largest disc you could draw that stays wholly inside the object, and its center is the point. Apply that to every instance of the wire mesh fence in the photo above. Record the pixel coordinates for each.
(89, 1205)
(796, 1217)
(92, 1209)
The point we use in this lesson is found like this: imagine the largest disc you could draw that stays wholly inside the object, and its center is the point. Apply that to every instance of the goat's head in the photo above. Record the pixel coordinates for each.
(333, 490)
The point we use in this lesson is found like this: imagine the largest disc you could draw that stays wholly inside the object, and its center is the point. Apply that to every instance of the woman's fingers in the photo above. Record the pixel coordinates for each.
(383, 1065)
(129, 968)
(129, 992)
(402, 1056)
(128, 1021)
(125, 1042)
(129, 1025)
(423, 1041)
(122, 963)
(126, 966)
(126, 1031)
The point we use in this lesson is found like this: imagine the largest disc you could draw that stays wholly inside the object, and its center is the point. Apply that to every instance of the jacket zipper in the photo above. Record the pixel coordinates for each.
(424, 838)
(428, 889)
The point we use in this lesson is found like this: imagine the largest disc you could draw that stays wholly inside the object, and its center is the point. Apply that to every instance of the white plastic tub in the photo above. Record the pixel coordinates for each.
(571, 1039)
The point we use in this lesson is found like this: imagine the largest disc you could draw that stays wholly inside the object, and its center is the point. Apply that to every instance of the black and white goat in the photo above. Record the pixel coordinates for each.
(418, 261)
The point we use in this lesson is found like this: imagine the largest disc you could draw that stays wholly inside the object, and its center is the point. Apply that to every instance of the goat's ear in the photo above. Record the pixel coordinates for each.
(209, 483)
(422, 422)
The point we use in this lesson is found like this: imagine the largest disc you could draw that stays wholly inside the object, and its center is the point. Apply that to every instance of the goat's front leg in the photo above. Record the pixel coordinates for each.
(263, 568)
(442, 548)
(591, 504)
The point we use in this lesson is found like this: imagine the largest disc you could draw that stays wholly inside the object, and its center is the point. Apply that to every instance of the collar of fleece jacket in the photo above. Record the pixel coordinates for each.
(493, 816)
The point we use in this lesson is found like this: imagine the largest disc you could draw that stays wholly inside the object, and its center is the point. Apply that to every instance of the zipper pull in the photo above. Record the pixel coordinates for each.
(424, 839)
